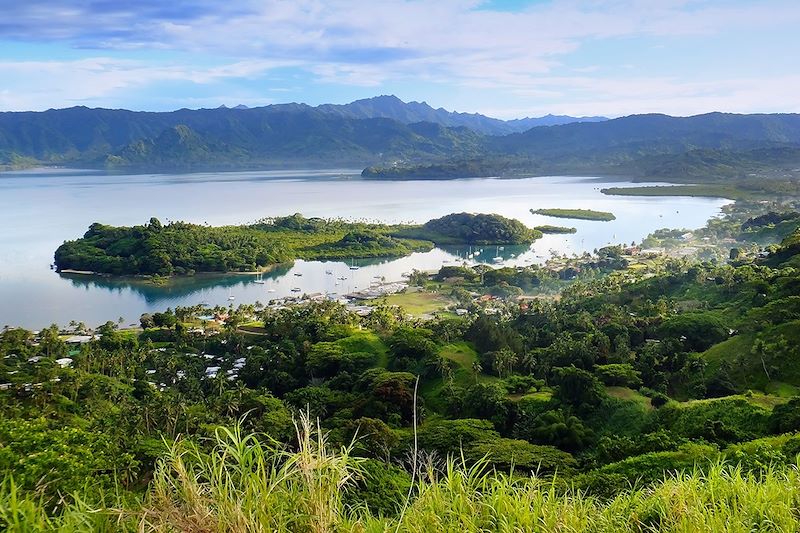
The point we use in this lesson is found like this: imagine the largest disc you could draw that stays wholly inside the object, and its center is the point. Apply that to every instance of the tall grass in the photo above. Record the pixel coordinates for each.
(20, 512)
(245, 485)
(241, 484)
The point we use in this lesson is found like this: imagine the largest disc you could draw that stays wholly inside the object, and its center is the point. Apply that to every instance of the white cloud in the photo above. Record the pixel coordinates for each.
(368, 43)
(36, 85)
(625, 96)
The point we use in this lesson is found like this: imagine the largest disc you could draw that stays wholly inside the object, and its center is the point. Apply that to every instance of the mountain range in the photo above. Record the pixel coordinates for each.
(389, 106)
(383, 131)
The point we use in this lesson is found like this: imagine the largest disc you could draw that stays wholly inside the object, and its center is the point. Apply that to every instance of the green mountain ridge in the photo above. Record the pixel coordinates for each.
(299, 135)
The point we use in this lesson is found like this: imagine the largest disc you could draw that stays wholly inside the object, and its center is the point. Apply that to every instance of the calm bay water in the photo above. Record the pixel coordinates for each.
(41, 209)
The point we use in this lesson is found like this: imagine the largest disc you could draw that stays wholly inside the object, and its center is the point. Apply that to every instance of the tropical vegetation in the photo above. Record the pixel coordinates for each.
(183, 248)
(661, 397)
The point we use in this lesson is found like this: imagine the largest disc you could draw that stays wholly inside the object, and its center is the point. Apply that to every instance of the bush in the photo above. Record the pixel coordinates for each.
(619, 374)
(523, 456)
(723, 420)
(645, 469)
(700, 331)
(381, 486)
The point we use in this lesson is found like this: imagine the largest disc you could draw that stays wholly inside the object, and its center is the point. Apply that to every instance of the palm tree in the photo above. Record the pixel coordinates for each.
(444, 366)
(477, 368)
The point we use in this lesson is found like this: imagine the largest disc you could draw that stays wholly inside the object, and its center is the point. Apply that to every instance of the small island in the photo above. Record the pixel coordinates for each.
(179, 248)
(448, 170)
(547, 229)
(578, 214)
(706, 190)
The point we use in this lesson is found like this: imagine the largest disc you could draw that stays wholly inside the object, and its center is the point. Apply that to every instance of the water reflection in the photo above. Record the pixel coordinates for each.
(39, 210)
(168, 290)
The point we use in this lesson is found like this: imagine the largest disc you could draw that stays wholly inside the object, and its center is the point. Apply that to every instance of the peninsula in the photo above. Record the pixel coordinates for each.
(181, 248)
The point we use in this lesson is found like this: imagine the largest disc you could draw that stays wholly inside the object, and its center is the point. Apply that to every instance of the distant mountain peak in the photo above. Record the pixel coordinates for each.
(391, 106)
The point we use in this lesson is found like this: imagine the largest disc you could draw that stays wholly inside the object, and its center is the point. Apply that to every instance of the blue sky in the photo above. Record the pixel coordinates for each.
(504, 58)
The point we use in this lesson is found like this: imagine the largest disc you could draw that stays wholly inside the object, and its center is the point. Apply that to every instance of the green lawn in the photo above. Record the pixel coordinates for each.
(416, 303)
(541, 395)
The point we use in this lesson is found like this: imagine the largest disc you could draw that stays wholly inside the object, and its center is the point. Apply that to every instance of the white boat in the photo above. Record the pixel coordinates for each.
(259, 279)
(353, 265)
(231, 296)
(497, 258)
(270, 290)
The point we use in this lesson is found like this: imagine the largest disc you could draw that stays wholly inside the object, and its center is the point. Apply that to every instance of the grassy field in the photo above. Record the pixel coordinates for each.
(416, 303)
(624, 393)
(463, 354)
(578, 214)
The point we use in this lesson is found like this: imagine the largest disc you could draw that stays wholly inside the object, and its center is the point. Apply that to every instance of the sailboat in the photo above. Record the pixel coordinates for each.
(353, 265)
(259, 279)
(231, 297)
(497, 258)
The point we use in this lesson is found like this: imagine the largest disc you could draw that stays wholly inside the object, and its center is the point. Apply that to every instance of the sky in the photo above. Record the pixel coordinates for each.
(502, 58)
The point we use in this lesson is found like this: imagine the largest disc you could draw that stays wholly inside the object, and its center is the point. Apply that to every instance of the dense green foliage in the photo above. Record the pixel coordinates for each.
(182, 248)
(480, 229)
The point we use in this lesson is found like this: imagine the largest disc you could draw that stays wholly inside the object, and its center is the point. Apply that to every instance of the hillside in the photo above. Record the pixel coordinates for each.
(639, 135)
(399, 141)
(220, 138)
(704, 148)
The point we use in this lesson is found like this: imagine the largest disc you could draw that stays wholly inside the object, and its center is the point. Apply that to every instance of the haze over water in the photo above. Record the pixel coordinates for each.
(41, 209)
